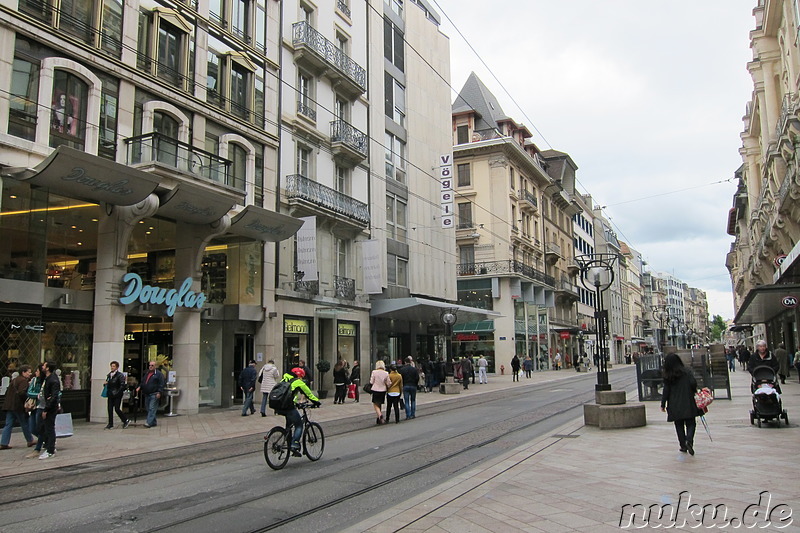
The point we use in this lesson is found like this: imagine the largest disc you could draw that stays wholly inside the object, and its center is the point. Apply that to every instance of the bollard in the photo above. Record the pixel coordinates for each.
(502, 370)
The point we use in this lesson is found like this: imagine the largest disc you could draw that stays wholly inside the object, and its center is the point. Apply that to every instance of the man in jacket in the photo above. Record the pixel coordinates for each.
(14, 406)
(116, 383)
(466, 371)
(247, 382)
(151, 387)
(410, 376)
(782, 357)
(483, 364)
(268, 377)
(52, 398)
(295, 378)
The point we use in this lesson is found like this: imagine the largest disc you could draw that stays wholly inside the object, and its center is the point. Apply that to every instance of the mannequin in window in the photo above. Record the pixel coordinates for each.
(62, 120)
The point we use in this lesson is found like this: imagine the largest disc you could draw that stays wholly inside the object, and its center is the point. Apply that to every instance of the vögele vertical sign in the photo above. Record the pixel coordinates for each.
(447, 195)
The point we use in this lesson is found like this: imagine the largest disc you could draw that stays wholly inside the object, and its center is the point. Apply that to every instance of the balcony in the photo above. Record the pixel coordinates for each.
(494, 268)
(567, 291)
(313, 49)
(345, 288)
(348, 143)
(306, 110)
(155, 149)
(342, 6)
(529, 202)
(301, 190)
(308, 287)
(552, 253)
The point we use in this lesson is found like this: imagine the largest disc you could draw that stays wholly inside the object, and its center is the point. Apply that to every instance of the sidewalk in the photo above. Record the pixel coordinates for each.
(92, 443)
(581, 482)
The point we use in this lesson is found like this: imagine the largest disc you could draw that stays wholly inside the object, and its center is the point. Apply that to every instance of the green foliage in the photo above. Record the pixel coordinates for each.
(718, 327)
(323, 366)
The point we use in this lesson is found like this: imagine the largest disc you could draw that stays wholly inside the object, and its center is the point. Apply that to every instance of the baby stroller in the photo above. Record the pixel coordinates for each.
(766, 397)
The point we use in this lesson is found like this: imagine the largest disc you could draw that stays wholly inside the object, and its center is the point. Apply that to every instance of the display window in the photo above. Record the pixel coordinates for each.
(347, 341)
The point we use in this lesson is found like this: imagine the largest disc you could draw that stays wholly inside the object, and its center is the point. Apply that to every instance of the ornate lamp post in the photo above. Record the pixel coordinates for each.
(449, 318)
(660, 314)
(597, 274)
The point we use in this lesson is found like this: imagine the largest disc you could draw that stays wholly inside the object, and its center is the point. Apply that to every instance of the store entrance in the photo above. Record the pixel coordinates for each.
(146, 339)
(243, 351)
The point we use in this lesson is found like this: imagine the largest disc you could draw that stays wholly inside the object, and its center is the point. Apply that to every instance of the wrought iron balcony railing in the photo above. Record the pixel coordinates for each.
(298, 186)
(343, 7)
(304, 34)
(552, 248)
(157, 148)
(505, 267)
(345, 133)
(530, 198)
(345, 288)
(311, 287)
(306, 110)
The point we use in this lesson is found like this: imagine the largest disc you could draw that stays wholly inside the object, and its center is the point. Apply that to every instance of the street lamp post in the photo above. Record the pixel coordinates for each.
(659, 313)
(449, 318)
(597, 273)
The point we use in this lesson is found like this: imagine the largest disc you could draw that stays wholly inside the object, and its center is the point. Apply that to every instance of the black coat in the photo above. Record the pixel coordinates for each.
(410, 375)
(756, 361)
(115, 385)
(678, 397)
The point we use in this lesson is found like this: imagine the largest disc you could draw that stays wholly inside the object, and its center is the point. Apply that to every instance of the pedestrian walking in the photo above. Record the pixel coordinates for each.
(393, 394)
(783, 362)
(483, 364)
(309, 379)
(268, 377)
(440, 371)
(379, 381)
(557, 361)
(730, 355)
(410, 376)
(744, 356)
(762, 356)
(430, 377)
(247, 383)
(35, 414)
(340, 381)
(115, 385)
(14, 406)
(678, 402)
(355, 377)
(466, 371)
(52, 399)
(515, 368)
(797, 363)
(151, 388)
(527, 366)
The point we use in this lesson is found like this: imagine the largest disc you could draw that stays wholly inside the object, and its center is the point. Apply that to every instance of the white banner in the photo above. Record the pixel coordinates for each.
(307, 249)
(447, 197)
(371, 265)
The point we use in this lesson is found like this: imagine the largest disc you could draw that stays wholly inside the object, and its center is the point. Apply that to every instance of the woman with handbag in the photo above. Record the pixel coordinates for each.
(36, 398)
(340, 381)
(114, 387)
(379, 383)
(393, 397)
(678, 400)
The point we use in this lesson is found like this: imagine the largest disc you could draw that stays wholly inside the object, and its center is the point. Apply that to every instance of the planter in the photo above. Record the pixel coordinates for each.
(322, 394)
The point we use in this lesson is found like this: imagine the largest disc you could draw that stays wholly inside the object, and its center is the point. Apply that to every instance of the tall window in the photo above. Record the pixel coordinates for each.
(397, 6)
(214, 78)
(22, 104)
(68, 118)
(167, 140)
(462, 134)
(240, 19)
(394, 99)
(238, 176)
(239, 93)
(393, 43)
(466, 254)
(305, 96)
(169, 53)
(463, 173)
(95, 22)
(108, 118)
(397, 270)
(465, 215)
(513, 179)
(396, 218)
(341, 258)
(342, 180)
(303, 166)
(341, 108)
(395, 158)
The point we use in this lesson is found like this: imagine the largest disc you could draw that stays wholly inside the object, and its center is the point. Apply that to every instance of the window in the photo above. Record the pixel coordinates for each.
(397, 6)
(258, 185)
(167, 54)
(305, 96)
(513, 180)
(240, 19)
(462, 134)
(466, 254)
(97, 23)
(307, 14)
(238, 173)
(395, 218)
(341, 108)
(109, 97)
(22, 105)
(397, 270)
(393, 44)
(463, 172)
(239, 91)
(395, 99)
(342, 180)
(342, 43)
(303, 161)
(395, 158)
(341, 258)
(214, 78)
(68, 115)
(167, 139)
(465, 215)
(232, 81)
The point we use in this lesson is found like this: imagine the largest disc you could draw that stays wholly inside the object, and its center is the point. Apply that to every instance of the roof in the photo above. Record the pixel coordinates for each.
(475, 96)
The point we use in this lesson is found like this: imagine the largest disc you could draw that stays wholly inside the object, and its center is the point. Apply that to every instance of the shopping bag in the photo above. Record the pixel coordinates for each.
(63, 425)
(703, 399)
(104, 394)
(351, 391)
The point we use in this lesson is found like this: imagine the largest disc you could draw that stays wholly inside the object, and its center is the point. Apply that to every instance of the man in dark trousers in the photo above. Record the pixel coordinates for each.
(466, 371)
(52, 397)
(410, 380)
(151, 387)
(247, 382)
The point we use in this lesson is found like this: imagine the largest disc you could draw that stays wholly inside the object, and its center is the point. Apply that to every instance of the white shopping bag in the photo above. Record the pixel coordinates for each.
(64, 425)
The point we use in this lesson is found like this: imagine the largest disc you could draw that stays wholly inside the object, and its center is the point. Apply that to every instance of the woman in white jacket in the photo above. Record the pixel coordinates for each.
(268, 377)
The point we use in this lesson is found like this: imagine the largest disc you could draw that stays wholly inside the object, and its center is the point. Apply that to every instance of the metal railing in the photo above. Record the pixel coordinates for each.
(552, 248)
(505, 267)
(467, 224)
(349, 135)
(343, 7)
(157, 148)
(345, 287)
(298, 186)
(530, 198)
(568, 286)
(306, 110)
(311, 287)
(304, 34)
(787, 108)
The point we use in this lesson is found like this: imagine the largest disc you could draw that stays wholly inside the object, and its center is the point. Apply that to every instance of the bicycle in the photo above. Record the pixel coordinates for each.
(277, 442)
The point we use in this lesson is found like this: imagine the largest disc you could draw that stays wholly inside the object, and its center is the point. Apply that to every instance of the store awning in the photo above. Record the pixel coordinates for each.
(195, 205)
(482, 326)
(764, 303)
(428, 311)
(263, 225)
(89, 178)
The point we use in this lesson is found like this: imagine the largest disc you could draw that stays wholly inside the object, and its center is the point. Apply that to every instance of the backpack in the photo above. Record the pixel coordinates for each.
(281, 397)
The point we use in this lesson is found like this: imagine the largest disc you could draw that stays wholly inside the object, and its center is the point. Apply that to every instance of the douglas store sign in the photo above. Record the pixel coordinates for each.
(184, 296)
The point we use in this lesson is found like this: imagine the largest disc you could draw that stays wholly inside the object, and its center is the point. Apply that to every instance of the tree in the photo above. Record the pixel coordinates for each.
(718, 327)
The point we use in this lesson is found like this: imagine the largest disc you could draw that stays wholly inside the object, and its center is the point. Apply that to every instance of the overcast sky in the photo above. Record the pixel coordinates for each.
(647, 98)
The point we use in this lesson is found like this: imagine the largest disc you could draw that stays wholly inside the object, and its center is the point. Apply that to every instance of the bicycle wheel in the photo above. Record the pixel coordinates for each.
(276, 449)
(313, 441)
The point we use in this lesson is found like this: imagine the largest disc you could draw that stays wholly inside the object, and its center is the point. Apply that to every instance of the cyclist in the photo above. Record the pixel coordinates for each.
(295, 378)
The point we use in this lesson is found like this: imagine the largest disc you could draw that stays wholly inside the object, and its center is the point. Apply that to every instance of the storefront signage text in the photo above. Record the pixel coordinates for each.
(174, 298)
(789, 301)
(295, 326)
(78, 175)
(467, 337)
(447, 194)
(347, 330)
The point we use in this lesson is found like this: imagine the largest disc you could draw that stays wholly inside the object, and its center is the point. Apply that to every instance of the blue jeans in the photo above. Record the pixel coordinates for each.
(11, 416)
(248, 403)
(151, 403)
(293, 417)
(264, 402)
(410, 399)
